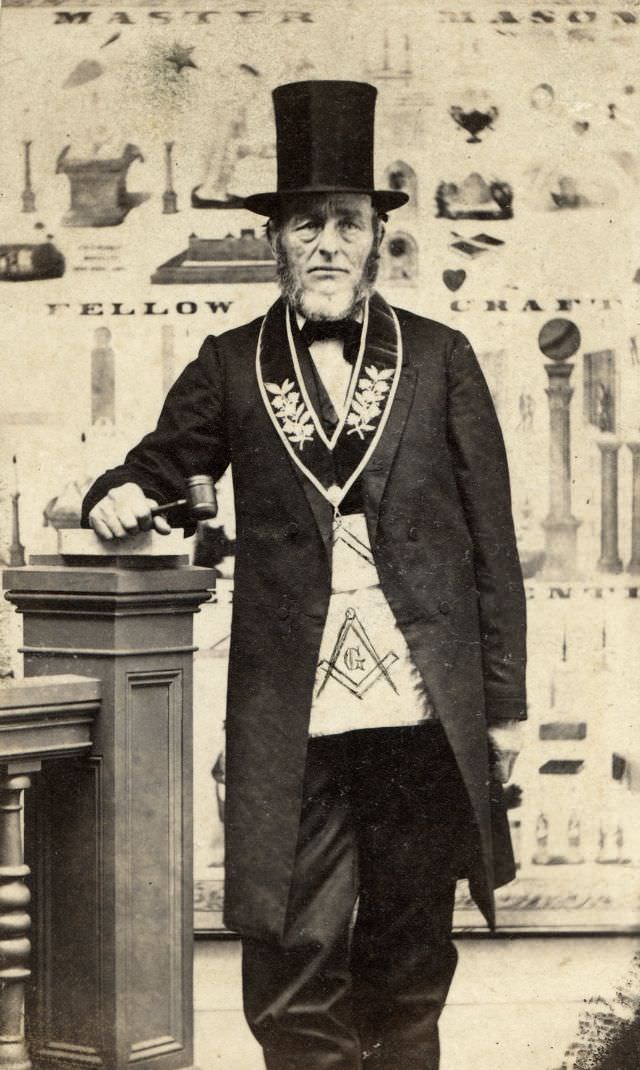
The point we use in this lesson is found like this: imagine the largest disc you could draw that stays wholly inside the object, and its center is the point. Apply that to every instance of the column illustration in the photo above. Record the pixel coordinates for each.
(609, 560)
(28, 196)
(559, 339)
(634, 560)
(169, 198)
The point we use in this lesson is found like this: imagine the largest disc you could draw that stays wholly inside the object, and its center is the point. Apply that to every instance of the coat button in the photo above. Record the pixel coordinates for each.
(412, 534)
(292, 529)
(444, 607)
(283, 612)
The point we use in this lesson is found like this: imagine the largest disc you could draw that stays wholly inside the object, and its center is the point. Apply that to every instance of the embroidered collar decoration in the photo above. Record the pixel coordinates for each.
(374, 381)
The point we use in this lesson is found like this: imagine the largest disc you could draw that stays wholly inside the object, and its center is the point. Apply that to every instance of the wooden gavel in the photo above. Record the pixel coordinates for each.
(201, 499)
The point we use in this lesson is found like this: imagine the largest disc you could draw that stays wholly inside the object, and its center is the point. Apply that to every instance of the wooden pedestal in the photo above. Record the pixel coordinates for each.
(109, 835)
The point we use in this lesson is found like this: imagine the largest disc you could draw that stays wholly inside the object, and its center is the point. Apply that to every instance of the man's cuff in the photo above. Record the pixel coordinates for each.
(507, 735)
(503, 708)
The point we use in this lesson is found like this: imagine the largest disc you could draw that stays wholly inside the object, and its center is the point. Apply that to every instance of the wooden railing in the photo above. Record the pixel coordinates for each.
(109, 828)
(40, 720)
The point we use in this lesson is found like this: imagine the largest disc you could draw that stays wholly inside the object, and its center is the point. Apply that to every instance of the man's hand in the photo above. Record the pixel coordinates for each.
(126, 510)
(506, 742)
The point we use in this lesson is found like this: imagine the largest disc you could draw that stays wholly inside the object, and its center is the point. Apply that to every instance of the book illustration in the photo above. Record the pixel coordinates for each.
(247, 258)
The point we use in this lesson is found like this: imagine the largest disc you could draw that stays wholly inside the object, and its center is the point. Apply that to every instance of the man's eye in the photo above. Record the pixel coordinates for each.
(306, 225)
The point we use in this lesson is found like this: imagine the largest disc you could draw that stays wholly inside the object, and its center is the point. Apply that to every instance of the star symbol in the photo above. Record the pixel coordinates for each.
(181, 58)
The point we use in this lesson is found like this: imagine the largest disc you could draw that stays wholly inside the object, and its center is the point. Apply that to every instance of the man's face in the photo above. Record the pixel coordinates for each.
(326, 249)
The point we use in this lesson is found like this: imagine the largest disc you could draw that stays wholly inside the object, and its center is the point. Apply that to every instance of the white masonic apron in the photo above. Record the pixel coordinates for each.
(366, 677)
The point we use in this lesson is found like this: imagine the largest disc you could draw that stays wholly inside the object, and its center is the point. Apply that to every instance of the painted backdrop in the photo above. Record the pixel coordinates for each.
(129, 133)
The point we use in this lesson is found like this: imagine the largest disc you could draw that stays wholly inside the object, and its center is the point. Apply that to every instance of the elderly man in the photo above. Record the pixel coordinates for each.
(377, 653)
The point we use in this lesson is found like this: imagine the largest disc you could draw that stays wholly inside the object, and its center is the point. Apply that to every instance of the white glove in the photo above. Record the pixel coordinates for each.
(506, 741)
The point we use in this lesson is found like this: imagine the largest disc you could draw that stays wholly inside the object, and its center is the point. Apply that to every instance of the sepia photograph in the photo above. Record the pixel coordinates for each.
(320, 535)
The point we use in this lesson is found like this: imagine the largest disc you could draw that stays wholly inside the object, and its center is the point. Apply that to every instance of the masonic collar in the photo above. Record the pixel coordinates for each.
(350, 446)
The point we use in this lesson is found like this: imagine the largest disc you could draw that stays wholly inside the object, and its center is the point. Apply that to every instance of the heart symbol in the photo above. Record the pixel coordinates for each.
(453, 279)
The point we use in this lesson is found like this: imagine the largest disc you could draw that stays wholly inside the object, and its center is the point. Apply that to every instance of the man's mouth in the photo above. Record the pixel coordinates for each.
(328, 271)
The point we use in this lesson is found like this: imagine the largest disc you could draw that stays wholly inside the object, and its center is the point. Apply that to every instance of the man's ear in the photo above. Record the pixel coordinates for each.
(380, 232)
(271, 234)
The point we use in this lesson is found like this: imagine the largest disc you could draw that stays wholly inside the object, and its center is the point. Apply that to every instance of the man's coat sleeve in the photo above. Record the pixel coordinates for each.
(190, 439)
(482, 475)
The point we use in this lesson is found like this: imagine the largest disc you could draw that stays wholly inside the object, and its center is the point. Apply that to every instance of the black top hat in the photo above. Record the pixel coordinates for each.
(325, 144)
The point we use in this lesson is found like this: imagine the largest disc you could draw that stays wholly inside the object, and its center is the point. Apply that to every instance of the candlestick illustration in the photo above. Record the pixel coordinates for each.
(28, 196)
(634, 560)
(16, 549)
(559, 339)
(169, 198)
(84, 480)
(609, 560)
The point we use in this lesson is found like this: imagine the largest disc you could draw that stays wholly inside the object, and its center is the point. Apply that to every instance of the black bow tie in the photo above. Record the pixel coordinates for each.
(346, 331)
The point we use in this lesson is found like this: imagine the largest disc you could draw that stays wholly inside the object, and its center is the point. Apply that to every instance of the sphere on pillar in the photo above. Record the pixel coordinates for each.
(559, 339)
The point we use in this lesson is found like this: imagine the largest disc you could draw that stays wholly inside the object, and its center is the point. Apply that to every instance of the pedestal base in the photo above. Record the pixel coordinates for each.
(611, 565)
(110, 834)
(561, 546)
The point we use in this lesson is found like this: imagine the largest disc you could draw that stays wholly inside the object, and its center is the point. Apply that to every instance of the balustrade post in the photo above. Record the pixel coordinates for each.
(15, 922)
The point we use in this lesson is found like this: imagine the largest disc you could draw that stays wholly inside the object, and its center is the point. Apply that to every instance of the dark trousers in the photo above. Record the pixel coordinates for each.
(385, 821)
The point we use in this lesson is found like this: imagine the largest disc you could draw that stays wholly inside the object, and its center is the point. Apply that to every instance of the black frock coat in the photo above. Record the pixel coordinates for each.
(437, 503)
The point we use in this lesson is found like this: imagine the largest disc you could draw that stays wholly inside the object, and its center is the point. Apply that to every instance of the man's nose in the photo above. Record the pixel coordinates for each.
(329, 239)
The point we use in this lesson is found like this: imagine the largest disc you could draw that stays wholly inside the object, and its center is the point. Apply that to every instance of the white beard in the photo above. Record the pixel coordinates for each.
(315, 306)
